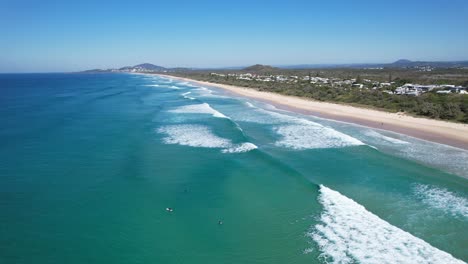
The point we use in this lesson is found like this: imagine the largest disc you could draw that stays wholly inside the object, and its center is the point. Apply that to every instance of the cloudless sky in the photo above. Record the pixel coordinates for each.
(47, 36)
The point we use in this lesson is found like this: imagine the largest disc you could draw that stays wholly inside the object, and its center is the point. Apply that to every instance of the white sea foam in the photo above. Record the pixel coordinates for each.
(164, 86)
(205, 92)
(444, 157)
(193, 136)
(348, 233)
(244, 147)
(442, 199)
(313, 136)
(249, 104)
(198, 109)
(187, 84)
(201, 136)
(185, 95)
(165, 80)
(183, 83)
(295, 132)
(375, 134)
(203, 89)
(262, 116)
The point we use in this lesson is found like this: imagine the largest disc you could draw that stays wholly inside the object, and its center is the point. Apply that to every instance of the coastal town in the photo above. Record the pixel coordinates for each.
(409, 89)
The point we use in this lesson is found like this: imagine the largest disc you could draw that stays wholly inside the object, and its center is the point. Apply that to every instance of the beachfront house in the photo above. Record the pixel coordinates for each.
(414, 89)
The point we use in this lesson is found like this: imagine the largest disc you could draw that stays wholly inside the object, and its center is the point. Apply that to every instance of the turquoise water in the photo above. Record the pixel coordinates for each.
(89, 164)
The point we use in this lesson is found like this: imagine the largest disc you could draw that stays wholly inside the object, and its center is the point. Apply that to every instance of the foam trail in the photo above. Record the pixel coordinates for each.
(185, 95)
(201, 136)
(249, 104)
(163, 86)
(186, 84)
(442, 199)
(313, 136)
(205, 92)
(241, 148)
(372, 133)
(198, 109)
(166, 80)
(348, 233)
(193, 136)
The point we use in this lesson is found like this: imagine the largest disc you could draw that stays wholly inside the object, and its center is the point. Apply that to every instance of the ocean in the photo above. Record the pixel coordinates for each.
(127, 168)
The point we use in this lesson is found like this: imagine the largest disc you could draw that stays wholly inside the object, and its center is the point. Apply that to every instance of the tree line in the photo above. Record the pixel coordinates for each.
(452, 107)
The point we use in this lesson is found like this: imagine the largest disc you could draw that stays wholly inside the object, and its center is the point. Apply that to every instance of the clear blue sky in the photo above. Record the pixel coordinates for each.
(44, 36)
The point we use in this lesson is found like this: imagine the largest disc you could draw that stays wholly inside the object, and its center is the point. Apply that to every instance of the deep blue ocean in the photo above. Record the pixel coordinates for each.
(127, 168)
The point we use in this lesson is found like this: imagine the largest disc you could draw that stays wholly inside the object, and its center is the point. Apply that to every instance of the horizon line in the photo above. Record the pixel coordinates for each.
(244, 66)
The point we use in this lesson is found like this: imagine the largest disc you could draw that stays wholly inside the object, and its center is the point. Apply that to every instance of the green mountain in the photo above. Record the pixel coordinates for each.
(260, 68)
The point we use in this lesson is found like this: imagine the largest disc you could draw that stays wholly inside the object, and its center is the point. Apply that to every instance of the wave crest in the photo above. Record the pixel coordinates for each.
(201, 136)
(204, 108)
(313, 136)
(348, 233)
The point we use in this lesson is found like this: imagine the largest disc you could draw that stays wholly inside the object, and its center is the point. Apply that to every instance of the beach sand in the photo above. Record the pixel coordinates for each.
(449, 133)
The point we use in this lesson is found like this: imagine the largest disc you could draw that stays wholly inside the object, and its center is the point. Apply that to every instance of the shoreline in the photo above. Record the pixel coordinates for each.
(443, 132)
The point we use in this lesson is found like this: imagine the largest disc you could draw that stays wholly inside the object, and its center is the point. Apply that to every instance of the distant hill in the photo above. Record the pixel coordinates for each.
(403, 63)
(148, 67)
(260, 68)
(434, 64)
(144, 67)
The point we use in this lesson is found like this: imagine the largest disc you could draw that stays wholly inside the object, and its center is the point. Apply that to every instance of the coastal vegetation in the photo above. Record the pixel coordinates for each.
(361, 90)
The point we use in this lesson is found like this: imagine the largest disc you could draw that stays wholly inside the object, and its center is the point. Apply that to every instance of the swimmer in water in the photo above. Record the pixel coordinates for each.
(169, 209)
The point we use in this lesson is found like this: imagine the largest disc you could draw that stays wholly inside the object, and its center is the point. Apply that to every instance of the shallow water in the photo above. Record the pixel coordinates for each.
(90, 162)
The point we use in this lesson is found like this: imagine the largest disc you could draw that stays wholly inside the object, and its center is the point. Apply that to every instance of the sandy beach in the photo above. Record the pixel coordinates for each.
(453, 134)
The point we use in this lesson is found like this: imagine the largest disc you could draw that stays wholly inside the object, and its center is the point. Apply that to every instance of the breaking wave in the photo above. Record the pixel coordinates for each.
(313, 136)
(163, 86)
(244, 147)
(203, 108)
(185, 95)
(201, 136)
(193, 136)
(205, 92)
(348, 233)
